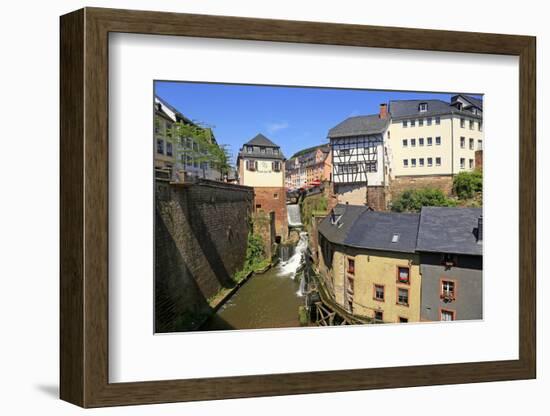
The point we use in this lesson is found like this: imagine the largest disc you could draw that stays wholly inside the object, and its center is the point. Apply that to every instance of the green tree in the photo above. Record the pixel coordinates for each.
(197, 143)
(468, 184)
(413, 200)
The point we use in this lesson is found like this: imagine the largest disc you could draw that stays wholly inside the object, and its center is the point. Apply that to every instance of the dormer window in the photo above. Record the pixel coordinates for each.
(423, 107)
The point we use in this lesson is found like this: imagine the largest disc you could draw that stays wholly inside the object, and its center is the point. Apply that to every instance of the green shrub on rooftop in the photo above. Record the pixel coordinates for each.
(413, 200)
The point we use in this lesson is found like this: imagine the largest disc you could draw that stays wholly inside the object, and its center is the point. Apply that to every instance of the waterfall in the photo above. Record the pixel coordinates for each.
(302, 287)
(293, 214)
(290, 267)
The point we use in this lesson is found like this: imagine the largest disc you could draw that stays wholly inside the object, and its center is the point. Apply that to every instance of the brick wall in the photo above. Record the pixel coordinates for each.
(376, 198)
(201, 234)
(479, 159)
(402, 183)
(273, 199)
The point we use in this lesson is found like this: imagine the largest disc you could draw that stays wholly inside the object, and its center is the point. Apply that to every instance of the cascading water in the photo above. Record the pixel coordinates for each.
(290, 267)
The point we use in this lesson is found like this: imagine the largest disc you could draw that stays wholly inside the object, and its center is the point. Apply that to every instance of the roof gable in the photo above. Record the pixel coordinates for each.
(261, 140)
(360, 126)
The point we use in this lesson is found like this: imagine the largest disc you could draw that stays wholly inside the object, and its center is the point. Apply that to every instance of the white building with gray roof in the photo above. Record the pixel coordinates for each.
(358, 158)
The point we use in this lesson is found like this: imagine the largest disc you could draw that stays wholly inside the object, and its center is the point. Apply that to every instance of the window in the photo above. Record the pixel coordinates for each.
(413, 142)
(404, 142)
(251, 165)
(395, 238)
(429, 121)
(462, 123)
(404, 123)
(472, 124)
(430, 162)
(378, 316)
(405, 163)
(450, 260)
(423, 107)
(379, 293)
(275, 196)
(437, 161)
(479, 125)
(351, 266)
(462, 163)
(447, 315)
(421, 141)
(438, 120)
(402, 320)
(438, 141)
(169, 149)
(421, 162)
(413, 123)
(276, 166)
(463, 142)
(471, 143)
(413, 163)
(403, 274)
(344, 152)
(429, 139)
(448, 290)
(262, 150)
(471, 163)
(420, 122)
(479, 145)
(403, 296)
(160, 146)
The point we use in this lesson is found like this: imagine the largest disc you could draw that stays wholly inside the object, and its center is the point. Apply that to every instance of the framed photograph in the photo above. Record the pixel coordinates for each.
(254, 207)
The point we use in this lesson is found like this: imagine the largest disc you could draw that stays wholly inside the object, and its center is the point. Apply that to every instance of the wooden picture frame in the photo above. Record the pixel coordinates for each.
(84, 207)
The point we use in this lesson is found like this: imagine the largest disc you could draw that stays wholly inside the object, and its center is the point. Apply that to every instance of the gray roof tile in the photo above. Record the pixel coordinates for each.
(409, 109)
(435, 229)
(359, 126)
(261, 140)
(449, 230)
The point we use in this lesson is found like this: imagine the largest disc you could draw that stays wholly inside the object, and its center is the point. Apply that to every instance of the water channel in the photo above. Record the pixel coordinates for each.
(268, 300)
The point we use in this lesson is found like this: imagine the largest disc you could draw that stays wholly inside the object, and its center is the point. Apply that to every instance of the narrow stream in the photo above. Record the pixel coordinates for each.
(268, 300)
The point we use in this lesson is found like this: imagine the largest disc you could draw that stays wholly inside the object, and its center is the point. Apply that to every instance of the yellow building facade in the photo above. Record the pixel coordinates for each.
(379, 285)
(369, 265)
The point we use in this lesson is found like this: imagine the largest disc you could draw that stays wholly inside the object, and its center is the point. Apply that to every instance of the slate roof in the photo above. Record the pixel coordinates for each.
(361, 227)
(359, 126)
(325, 148)
(409, 108)
(375, 230)
(435, 229)
(177, 113)
(449, 230)
(261, 141)
(472, 100)
(337, 233)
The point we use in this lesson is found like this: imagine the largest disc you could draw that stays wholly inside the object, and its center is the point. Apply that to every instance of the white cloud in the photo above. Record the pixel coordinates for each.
(277, 126)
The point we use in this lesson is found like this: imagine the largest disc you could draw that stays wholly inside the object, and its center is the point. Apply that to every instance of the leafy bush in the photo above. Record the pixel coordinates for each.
(414, 199)
(467, 184)
(255, 257)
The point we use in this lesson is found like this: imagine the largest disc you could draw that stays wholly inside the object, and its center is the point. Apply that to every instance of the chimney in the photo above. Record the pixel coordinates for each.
(480, 229)
(383, 110)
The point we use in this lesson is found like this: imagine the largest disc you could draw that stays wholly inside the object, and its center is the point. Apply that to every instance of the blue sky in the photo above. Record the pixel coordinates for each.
(294, 118)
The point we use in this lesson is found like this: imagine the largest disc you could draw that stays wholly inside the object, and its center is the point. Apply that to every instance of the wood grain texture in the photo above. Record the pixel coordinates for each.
(84, 207)
(71, 203)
